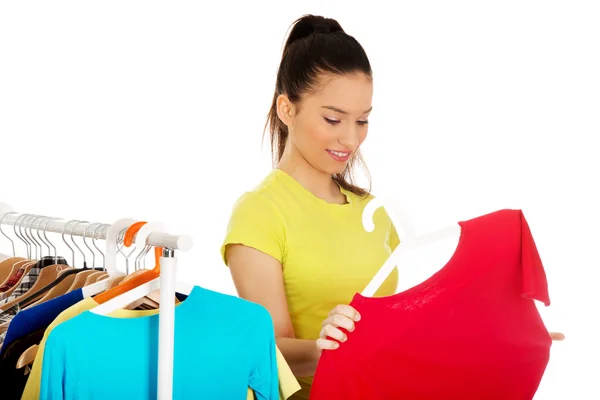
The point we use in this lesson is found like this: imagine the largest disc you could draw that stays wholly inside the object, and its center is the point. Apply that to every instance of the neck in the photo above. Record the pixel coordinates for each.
(315, 181)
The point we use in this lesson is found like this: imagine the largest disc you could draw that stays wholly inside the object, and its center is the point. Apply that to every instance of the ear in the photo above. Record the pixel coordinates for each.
(285, 110)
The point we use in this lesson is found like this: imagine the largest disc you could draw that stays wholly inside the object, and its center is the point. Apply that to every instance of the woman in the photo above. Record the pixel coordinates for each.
(296, 244)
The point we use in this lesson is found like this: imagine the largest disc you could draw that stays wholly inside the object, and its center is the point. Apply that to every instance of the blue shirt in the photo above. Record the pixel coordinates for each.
(40, 316)
(223, 345)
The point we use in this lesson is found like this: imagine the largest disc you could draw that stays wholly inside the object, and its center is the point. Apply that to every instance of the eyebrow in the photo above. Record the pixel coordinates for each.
(332, 108)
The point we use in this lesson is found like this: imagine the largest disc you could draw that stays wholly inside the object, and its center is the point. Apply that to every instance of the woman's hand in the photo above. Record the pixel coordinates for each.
(342, 316)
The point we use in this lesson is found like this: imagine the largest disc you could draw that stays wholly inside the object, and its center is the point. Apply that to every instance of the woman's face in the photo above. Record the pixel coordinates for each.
(328, 126)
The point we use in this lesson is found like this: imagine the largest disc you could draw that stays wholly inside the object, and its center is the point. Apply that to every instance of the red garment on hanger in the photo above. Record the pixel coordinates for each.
(470, 332)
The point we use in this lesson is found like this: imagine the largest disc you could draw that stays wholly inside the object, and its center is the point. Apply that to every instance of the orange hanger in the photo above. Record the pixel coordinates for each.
(135, 281)
(128, 241)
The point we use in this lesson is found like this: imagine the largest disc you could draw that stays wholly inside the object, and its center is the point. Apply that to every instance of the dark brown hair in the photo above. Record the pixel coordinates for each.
(316, 45)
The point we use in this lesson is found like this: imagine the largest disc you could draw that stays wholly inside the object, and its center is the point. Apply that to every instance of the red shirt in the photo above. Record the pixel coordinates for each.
(469, 332)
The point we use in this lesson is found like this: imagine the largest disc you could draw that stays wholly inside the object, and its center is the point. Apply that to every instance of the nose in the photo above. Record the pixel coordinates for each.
(350, 138)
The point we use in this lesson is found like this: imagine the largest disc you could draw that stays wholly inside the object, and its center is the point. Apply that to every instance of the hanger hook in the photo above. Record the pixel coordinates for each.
(65, 240)
(75, 243)
(85, 242)
(38, 229)
(130, 233)
(121, 238)
(32, 236)
(96, 246)
(18, 224)
(5, 235)
(26, 237)
(141, 258)
(26, 234)
(46, 236)
(399, 217)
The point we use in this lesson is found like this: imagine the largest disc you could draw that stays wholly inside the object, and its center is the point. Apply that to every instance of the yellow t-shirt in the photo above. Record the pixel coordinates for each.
(287, 382)
(326, 254)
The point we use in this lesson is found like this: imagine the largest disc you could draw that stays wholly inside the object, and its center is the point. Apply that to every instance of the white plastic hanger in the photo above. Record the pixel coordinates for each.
(397, 214)
(111, 245)
(140, 291)
(110, 258)
(95, 288)
(408, 242)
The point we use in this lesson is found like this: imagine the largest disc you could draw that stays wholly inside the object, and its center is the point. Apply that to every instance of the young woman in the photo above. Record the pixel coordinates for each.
(296, 243)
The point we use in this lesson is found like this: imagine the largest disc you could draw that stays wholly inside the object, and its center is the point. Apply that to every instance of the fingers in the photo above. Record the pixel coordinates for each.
(325, 344)
(343, 316)
(338, 320)
(333, 332)
(331, 335)
(347, 311)
(557, 336)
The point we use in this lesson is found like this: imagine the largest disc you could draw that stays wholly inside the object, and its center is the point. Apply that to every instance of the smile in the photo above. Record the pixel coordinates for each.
(339, 155)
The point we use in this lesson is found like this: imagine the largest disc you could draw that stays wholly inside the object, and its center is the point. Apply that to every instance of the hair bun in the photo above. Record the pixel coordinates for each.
(309, 24)
(321, 28)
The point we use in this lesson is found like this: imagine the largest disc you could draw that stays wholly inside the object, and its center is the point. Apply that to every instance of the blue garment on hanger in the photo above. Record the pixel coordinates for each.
(223, 345)
(40, 316)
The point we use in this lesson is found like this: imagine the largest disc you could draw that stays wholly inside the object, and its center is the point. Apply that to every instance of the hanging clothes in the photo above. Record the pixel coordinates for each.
(6, 270)
(26, 284)
(27, 329)
(56, 311)
(40, 316)
(470, 332)
(12, 281)
(223, 346)
(31, 277)
(227, 344)
(14, 380)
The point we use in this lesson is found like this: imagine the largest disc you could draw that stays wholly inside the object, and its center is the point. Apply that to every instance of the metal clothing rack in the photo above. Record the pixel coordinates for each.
(168, 263)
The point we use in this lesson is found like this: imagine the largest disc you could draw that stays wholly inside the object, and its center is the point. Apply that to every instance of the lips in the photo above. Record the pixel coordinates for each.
(340, 156)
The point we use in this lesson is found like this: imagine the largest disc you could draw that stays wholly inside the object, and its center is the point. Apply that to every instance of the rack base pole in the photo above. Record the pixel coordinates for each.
(166, 324)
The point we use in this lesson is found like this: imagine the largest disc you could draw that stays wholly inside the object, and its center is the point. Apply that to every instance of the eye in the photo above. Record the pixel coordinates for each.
(331, 121)
(362, 123)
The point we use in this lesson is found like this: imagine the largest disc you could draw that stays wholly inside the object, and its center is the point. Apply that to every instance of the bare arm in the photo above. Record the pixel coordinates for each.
(258, 277)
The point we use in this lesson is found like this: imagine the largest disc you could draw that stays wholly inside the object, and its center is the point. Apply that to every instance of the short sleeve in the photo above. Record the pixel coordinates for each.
(288, 384)
(535, 284)
(255, 223)
(264, 379)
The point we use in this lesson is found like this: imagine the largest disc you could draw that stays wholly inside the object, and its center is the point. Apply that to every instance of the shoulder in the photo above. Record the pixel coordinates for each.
(503, 222)
(257, 221)
(70, 313)
(235, 306)
(267, 199)
(253, 202)
(254, 208)
(56, 334)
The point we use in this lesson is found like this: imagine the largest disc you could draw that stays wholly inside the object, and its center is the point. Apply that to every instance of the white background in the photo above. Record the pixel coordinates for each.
(155, 111)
